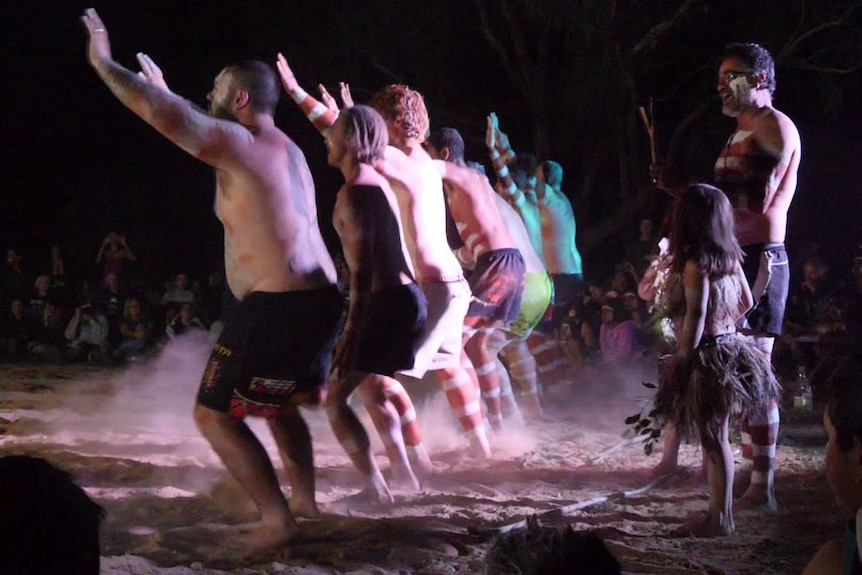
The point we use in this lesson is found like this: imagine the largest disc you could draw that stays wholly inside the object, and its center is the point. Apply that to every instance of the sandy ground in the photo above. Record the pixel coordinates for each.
(128, 438)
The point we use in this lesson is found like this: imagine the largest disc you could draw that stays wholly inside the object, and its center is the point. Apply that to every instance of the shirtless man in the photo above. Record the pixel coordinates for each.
(387, 312)
(416, 182)
(757, 169)
(446, 144)
(559, 245)
(273, 354)
(499, 273)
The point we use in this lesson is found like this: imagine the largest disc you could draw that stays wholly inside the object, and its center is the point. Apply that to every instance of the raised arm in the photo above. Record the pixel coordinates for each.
(211, 140)
(505, 184)
(321, 116)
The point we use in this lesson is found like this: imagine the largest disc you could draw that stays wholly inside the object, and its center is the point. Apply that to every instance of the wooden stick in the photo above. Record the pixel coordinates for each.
(565, 509)
(650, 128)
(614, 448)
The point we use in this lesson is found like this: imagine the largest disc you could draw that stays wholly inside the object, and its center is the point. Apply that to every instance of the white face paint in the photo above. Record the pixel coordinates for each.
(736, 97)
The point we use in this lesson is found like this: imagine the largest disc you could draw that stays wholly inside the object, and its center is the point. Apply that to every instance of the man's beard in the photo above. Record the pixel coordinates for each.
(741, 97)
(221, 112)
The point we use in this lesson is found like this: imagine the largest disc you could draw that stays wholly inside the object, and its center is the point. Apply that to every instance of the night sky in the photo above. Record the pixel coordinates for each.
(78, 164)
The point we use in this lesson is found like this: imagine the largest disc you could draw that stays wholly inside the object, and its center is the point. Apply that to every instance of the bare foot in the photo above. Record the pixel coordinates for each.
(423, 464)
(373, 495)
(301, 507)
(269, 536)
(756, 498)
(405, 478)
(703, 527)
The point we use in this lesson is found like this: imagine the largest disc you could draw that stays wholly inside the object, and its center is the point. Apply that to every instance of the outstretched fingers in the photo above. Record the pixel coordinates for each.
(151, 72)
(346, 96)
(288, 79)
(92, 21)
(327, 98)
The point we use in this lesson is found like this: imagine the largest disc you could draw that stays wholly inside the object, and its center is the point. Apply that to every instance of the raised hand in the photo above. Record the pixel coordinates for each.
(151, 72)
(491, 132)
(346, 96)
(99, 48)
(503, 140)
(327, 98)
(288, 80)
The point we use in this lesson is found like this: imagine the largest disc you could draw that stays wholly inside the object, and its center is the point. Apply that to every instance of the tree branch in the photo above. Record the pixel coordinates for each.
(656, 32)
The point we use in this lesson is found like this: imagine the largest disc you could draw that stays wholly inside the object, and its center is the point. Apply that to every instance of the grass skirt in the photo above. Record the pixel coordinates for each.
(726, 376)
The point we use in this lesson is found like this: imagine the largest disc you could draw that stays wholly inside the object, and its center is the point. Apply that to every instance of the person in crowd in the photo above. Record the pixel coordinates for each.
(17, 330)
(48, 342)
(644, 248)
(177, 294)
(135, 332)
(40, 295)
(113, 254)
(186, 319)
(14, 281)
(617, 333)
(87, 334)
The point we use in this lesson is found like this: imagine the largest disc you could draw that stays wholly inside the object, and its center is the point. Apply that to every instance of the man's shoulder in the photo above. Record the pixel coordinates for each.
(774, 124)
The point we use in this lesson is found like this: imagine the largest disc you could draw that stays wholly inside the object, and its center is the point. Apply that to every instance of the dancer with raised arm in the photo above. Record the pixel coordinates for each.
(274, 352)
(418, 188)
(386, 313)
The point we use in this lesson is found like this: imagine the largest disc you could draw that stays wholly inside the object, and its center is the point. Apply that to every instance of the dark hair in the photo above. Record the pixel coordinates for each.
(523, 168)
(448, 138)
(545, 550)
(754, 56)
(703, 231)
(844, 402)
(365, 128)
(397, 102)
(259, 79)
(553, 173)
(48, 524)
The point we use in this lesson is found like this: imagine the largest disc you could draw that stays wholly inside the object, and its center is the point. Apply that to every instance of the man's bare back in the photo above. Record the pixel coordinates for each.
(391, 263)
(417, 185)
(558, 233)
(473, 204)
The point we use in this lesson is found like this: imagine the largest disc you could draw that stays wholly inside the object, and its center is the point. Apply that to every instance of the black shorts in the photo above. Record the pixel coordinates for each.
(768, 273)
(390, 329)
(497, 283)
(272, 346)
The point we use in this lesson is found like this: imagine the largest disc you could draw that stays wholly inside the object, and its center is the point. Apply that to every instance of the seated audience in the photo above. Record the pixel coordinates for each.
(134, 332)
(48, 342)
(87, 334)
(617, 338)
(185, 320)
(16, 331)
